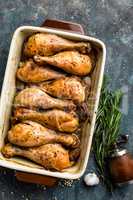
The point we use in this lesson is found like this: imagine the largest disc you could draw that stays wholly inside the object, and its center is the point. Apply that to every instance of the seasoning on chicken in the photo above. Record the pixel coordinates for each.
(48, 44)
(53, 119)
(70, 61)
(36, 98)
(50, 156)
(31, 134)
(29, 71)
(65, 88)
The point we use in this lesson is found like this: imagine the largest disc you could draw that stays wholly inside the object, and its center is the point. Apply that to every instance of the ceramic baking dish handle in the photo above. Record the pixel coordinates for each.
(63, 25)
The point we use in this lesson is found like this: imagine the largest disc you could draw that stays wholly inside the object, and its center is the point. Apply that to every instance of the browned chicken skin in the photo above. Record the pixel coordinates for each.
(29, 71)
(47, 101)
(65, 88)
(54, 119)
(70, 61)
(48, 44)
(31, 134)
(50, 156)
(36, 98)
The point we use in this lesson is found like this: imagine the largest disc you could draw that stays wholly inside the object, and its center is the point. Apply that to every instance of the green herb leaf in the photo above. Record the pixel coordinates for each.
(107, 125)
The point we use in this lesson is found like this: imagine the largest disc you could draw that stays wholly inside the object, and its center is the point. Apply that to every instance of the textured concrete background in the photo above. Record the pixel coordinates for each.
(112, 22)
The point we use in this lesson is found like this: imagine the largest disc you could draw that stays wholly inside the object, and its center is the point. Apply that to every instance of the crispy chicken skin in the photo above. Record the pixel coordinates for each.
(65, 88)
(50, 105)
(36, 98)
(29, 71)
(54, 119)
(31, 134)
(50, 156)
(70, 61)
(45, 44)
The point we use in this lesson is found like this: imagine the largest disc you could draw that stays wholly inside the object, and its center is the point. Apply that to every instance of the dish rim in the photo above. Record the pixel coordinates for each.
(66, 175)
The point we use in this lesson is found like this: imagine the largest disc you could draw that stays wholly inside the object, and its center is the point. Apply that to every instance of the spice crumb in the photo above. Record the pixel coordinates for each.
(66, 183)
(43, 187)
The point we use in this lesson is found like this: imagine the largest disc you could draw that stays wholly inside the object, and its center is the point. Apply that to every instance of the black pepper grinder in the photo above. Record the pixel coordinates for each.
(121, 164)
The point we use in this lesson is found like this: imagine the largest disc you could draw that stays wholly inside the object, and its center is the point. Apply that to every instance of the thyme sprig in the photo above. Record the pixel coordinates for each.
(107, 126)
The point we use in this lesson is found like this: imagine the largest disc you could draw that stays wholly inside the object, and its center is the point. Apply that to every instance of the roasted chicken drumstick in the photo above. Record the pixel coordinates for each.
(54, 119)
(31, 134)
(29, 71)
(65, 88)
(70, 61)
(48, 44)
(50, 156)
(36, 98)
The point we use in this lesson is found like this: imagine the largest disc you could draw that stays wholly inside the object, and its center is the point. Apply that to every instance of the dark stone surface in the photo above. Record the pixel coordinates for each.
(112, 22)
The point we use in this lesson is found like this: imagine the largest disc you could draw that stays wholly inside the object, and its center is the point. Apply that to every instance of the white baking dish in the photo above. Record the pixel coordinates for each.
(8, 91)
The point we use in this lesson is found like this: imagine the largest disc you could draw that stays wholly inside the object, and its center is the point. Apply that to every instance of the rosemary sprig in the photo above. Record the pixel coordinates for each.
(107, 126)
